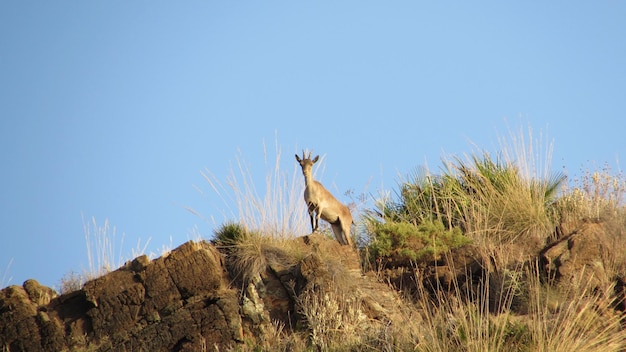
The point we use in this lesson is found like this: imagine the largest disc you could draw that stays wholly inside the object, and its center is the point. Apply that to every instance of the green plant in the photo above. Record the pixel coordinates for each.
(231, 234)
(505, 199)
(404, 242)
(246, 258)
(486, 198)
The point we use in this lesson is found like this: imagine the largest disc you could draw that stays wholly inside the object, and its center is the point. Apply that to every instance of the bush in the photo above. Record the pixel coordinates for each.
(403, 242)
(488, 200)
(230, 234)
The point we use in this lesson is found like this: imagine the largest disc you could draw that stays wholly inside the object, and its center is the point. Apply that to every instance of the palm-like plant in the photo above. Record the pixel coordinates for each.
(481, 196)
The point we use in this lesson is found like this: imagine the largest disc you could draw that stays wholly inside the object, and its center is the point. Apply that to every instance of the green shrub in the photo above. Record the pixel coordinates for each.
(403, 242)
(488, 199)
(230, 234)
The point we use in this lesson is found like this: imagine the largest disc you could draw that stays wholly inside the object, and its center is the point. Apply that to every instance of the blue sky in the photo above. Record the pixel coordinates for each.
(111, 109)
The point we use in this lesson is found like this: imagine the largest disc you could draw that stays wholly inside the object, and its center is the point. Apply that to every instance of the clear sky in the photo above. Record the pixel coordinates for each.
(111, 109)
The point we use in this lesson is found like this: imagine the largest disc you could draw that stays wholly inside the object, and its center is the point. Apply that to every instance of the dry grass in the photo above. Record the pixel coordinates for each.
(516, 204)
(334, 319)
(599, 195)
(577, 318)
(6, 278)
(102, 255)
(505, 201)
(101, 241)
(463, 320)
(249, 253)
(497, 204)
(482, 187)
(276, 210)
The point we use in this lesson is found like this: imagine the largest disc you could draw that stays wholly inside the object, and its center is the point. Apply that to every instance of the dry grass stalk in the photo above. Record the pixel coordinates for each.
(276, 211)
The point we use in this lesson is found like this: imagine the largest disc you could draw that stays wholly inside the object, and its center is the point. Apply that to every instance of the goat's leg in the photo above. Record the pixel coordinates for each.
(311, 209)
(345, 228)
(312, 216)
(316, 213)
(317, 219)
(337, 231)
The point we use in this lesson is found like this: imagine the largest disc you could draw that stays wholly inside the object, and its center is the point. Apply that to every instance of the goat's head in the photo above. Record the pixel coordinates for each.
(306, 162)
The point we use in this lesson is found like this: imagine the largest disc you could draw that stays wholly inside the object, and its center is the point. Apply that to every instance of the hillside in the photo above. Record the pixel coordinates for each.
(479, 258)
(185, 301)
(193, 300)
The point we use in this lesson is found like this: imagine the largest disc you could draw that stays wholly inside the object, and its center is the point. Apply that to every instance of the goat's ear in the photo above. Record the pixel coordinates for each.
(298, 158)
(315, 159)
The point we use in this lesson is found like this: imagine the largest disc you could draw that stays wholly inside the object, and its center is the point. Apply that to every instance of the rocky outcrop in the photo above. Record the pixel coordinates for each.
(181, 302)
(584, 255)
(451, 273)
(187, 301)
(581, 255)
(276, 295)
(196, 298)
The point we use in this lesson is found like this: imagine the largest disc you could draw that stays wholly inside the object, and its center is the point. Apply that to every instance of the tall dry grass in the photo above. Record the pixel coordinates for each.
(105, 253)
(577, 319)
(574, 318)
(599, 195)
(275, 208)
(471, 316)
(514, 192)
(6, 277)
(101, 241)
(335, 319)
(259, 219)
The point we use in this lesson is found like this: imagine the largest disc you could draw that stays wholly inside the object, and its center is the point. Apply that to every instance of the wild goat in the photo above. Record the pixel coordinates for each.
(321, 203)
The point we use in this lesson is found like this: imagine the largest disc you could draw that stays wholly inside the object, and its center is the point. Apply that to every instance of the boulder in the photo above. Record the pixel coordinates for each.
(579, 257)
(178, 302)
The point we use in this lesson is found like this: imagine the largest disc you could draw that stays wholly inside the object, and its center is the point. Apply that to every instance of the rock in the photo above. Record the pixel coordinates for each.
(458, 269)
(187, 301)
(18, 325)
(579, 257)
(38, 294)
(180, 302)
